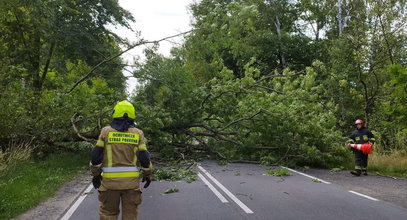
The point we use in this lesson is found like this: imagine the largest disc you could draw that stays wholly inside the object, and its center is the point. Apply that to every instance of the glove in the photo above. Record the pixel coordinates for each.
(146, 179)
(97, 181)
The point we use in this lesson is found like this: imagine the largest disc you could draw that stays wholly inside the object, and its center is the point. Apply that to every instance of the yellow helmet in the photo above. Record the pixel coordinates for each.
(124, 107)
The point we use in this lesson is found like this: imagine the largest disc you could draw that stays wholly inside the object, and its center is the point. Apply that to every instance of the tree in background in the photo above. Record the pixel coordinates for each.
(46, 47)
(275, 81)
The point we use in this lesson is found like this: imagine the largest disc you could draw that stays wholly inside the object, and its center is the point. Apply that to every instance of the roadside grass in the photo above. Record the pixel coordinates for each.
(26, 183)
(394, 164)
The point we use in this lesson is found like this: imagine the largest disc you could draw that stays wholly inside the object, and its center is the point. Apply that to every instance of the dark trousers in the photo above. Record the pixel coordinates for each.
(360, 160)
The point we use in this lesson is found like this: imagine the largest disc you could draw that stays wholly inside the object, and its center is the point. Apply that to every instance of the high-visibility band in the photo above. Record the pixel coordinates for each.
(109, 155)
(142, 147)
(373, 139)
(119, 169)
(357, 167)
(100, 143)
(121, 174)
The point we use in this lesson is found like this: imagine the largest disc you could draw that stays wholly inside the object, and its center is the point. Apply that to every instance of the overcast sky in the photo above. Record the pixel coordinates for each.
(155, 19)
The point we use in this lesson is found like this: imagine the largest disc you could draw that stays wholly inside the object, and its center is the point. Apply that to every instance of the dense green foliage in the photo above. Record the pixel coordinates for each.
(273, 81)
(278, 81)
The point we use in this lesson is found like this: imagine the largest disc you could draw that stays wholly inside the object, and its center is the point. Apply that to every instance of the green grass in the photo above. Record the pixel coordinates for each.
(25, 184)
(394, 164)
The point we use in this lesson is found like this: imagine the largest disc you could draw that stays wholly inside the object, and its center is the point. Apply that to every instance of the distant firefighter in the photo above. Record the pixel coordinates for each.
(361, 141)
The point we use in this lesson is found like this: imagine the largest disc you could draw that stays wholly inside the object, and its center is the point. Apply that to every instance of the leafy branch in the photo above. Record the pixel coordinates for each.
(141, 42)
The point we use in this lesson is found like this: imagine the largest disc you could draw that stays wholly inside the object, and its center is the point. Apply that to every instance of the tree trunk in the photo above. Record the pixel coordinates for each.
(35, 62)
(340, 23)
(281, 56)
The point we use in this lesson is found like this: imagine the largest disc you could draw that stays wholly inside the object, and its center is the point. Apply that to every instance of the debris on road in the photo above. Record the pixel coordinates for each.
(337, 169)
(316, 180)
(279, 172)
(174, 174)
(172, 190)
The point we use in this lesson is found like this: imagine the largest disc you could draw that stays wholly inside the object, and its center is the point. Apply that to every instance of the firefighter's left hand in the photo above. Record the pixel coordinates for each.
(97, 181)
(146, 179)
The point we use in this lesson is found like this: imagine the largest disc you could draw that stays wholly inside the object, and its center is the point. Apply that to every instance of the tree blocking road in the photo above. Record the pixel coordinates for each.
(242, 191)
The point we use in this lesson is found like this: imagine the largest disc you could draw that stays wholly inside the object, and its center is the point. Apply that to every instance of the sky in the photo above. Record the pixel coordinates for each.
(155, 19)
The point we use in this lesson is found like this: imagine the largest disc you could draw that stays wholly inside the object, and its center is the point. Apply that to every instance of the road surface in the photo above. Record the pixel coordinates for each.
(243, 191)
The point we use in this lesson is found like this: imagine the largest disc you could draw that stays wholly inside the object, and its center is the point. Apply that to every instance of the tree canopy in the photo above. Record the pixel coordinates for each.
(278, 81)
(272, 81)
(46, 47)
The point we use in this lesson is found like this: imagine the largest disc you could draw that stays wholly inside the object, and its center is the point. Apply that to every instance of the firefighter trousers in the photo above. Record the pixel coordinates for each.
(360, 160)
(110, 202)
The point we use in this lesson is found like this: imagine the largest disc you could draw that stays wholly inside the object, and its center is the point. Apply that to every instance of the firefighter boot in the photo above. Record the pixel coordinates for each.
(364, 172)
(356, 172)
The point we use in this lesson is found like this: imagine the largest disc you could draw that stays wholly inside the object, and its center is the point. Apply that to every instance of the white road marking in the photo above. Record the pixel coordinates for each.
(69, 213)
(233, 197)
(214, 190)
(367, 197)
(309, 176)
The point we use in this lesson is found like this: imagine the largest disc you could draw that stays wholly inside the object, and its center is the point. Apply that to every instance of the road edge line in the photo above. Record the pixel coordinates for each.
(309, 176)
(76, 204)
(214, 190)
(363, 195)
(224, 189)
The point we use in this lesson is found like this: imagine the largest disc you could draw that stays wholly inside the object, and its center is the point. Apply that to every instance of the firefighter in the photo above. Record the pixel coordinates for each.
(360, 136)
(119, 153)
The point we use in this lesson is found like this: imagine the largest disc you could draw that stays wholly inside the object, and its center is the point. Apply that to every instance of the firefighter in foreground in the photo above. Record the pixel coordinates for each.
(361, 141)
(116, 158)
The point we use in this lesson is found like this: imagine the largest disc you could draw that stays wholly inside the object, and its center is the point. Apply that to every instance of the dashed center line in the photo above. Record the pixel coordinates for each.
(309, 176)
(231, 196)
(323, 181)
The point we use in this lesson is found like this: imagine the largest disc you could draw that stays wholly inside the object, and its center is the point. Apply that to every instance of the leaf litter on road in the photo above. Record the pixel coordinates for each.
(172, 190)
(279, 172)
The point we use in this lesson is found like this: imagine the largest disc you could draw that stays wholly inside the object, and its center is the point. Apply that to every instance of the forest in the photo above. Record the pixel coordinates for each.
(262, 81)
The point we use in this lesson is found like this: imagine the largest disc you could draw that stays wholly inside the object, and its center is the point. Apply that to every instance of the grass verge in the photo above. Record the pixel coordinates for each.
(25, 184)
(394, 164)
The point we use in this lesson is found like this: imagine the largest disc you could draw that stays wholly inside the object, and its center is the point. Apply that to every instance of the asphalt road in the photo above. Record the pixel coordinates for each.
(242, 191)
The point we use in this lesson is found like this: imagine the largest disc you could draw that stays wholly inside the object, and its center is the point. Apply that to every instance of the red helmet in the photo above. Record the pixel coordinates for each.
(359, 121)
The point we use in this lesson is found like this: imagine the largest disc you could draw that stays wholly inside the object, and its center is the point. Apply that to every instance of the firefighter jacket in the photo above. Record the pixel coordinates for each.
(361, 136)
(120, 164)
